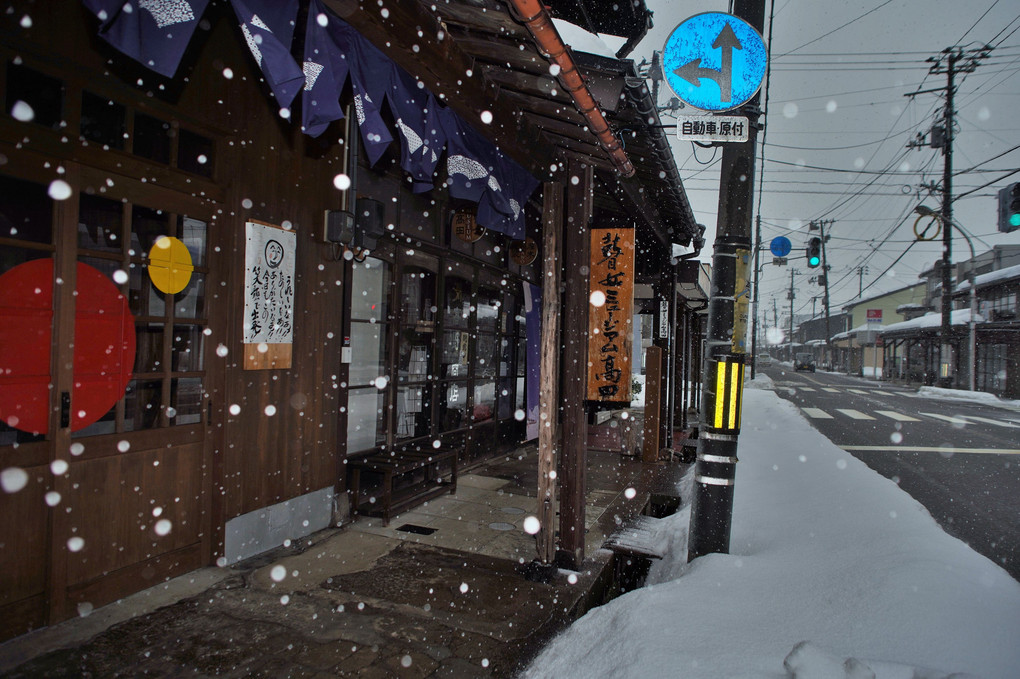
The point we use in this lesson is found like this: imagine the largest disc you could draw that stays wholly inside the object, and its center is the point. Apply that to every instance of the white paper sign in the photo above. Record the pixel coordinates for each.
(268, 284)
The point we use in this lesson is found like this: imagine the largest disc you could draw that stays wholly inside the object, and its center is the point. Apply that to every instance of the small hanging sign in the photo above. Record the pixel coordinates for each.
(523, 252)
(466, 227)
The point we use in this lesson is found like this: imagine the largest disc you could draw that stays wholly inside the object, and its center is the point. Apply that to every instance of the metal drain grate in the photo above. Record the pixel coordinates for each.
(417, 530)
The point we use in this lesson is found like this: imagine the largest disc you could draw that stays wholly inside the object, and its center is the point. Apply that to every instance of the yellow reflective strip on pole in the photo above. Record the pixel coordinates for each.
(738, 401)
(732, 394)
(720, 394)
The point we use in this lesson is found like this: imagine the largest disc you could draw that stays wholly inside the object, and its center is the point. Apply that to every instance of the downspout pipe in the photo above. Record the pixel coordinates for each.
(534, 15)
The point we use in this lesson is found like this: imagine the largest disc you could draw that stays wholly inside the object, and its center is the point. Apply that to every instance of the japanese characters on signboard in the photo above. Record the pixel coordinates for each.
(610, 329)
(268, 295)
(712, 128)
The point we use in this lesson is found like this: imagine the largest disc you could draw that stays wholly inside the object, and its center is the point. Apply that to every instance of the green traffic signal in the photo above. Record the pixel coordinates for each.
(814, 252)
(1009, 208)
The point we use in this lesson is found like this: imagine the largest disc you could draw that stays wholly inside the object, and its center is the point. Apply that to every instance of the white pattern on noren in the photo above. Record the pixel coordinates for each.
(168, 12)
(414, 142)
(468, 167)
(259, 23)
(252, 45)
(359, 108)
(494, 184)
(312, 71)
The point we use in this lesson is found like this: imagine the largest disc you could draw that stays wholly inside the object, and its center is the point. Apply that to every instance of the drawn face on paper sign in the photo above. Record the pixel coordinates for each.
(274, 254)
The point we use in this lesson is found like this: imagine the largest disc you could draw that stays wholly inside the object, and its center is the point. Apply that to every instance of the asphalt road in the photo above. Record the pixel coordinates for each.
(960, 459)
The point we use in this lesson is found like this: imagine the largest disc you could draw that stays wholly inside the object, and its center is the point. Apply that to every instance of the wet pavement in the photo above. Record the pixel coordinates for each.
(440, 592)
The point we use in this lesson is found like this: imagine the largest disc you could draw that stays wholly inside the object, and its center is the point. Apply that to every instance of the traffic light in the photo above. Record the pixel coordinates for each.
(814, 252)
(1009, 208)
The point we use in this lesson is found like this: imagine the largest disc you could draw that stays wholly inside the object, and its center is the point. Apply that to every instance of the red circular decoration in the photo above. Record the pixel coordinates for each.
(104, 346)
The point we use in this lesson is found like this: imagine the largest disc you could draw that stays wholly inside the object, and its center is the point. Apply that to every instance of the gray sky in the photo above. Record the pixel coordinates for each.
(839, 73)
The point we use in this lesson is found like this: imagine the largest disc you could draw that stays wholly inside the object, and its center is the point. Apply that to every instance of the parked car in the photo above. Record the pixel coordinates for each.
(804, 362)
(764, 360)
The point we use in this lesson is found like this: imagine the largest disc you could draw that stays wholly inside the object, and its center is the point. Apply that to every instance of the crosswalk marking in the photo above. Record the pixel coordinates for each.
(985, 420)
(947, 418)
(817, 413)
(858, 391)
(830, 390)
(855, 414)
(807, 388)
(899, 417)
(883, 393)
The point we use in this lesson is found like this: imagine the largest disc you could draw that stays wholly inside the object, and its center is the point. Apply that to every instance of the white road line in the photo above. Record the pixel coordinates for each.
(831, 390)
(807, 388)
(883, 393)
(858, 391)
(945, 450)
(985, 420)
(855, 414)
(946, 418)
(816, 413)
(899, 417)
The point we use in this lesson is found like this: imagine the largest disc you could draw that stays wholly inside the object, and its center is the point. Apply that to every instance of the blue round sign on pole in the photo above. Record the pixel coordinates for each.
(714, 61)
(780, 246)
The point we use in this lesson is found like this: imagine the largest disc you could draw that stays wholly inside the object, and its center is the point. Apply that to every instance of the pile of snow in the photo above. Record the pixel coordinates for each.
(964, 395)
(824, 551)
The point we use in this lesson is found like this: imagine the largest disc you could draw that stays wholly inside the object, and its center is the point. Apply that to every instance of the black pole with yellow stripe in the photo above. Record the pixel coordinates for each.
(725, 350)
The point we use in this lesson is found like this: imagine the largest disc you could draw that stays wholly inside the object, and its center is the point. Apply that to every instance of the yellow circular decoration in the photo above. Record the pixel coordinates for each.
(170, 265)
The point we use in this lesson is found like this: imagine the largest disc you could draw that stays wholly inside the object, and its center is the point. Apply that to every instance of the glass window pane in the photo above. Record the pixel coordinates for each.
(143, 298)
(12, 257)
(26, 211)
(99, 223)
(149, 348)
(147, 226)
(143, 403)
(107, 424)
(185, 400)
(194, 153)
(365, 419)
(191, 300)
(418, 296)
(454, 357)
(368, 352)
(485, 401)
(415, 360)
(485, 355)
(152, 138)
(453, 412)
(369, 289)
(102, 120)
(505, 402)
(456, 302)
(488, 309)
(414, 411)
(187, 349)
(44, 94)
(193, 235)
(506, 355)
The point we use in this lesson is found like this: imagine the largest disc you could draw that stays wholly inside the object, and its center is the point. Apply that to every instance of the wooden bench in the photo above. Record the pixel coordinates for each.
(409, 478)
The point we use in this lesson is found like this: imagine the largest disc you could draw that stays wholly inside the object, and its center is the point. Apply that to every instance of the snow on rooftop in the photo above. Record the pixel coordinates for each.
(991, 278)
(933, 320)
(581, 40)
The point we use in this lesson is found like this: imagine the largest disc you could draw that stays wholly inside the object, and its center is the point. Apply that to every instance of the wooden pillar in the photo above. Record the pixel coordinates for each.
(548, 421)
(652, 439)
(572, 466)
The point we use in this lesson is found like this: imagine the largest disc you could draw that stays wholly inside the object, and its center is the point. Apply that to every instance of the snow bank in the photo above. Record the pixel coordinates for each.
(964, 395)
(823, 550)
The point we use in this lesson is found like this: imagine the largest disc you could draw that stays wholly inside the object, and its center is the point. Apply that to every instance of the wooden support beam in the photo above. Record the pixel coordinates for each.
(549, 401)
(651, 441)
(572, 467)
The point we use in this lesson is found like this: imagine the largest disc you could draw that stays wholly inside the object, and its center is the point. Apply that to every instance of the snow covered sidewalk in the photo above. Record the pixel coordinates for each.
(823, 550)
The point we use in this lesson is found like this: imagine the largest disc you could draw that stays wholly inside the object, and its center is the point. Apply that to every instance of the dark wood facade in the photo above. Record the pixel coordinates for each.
(145, 493)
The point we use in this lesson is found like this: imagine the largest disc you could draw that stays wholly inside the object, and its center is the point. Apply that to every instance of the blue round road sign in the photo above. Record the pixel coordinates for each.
(714, 61)
(780, 246)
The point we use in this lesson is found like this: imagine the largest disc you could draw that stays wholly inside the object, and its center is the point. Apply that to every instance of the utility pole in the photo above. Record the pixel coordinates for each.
(775, 314)
(791, 295)
(951, 61)
(725, 357)
(754, 328)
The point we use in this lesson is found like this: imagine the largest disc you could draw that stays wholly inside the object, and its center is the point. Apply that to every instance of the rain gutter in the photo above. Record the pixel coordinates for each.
(534, 15)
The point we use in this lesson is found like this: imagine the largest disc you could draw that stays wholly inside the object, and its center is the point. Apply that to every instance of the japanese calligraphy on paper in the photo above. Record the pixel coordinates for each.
(268, 295)
(610, 328)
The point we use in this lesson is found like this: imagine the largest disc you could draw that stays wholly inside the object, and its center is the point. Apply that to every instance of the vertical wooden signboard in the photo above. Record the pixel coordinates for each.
(268, 296)
(610, 330)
